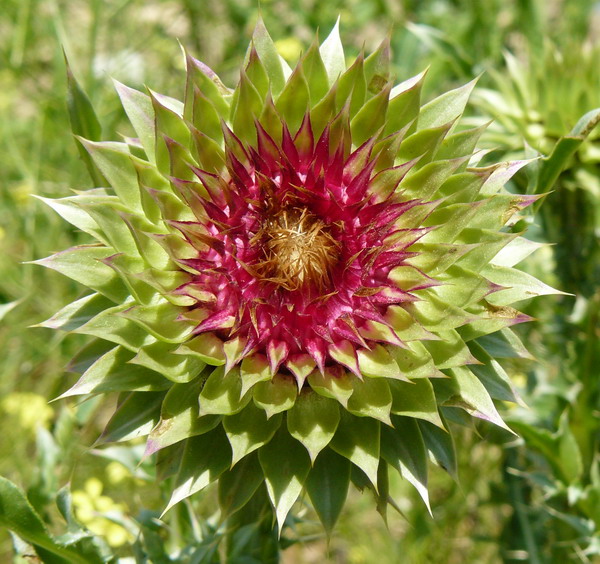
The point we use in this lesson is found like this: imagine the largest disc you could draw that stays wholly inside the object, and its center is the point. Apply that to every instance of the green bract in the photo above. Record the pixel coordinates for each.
(297, 281)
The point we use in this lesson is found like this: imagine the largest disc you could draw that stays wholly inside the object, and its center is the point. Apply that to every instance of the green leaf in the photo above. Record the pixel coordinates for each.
(405, 103)
(569, 454)
(332, 54)
(440, 444)
(485, 244)
(275, 395)
(370, 117)
(238, 485)
(404, 449)
(436, 315)
(168, 115)
(424, 144)
(17, 515)
(180, 417)
(313, 421)
(221, 393)
(139, 110)
(107, 325)
(476, 398)
(332, 385)
(445, 108)
(207, 152)
(83, 121)
(377, 67)
(161, 358)
(327, 486)
(70, 209)
(352, 87)
(357, 439)
(415, 399)
(168, 460)
(294, 101)
(174, 160)
(206, 346)
(443, 47)
(269, 56)
(256, 73)
(449, 351)
(285, 464)
(519, 285)
(205, 458)
(386, 181)
(461, 144)
(160, 319)
(114, 161)
(111, 373)
(564, 149)
(84, 265)
(254, 368)
(205, 79)
(115, 231)
(371, 398)
(450, 221)
(248, 430)
(462, 186)
(415, 361)
(127, 268)
(87, 355)
(323, 113)
(504, 344)
(517, 250)
(539, 439)
(502, 173)
(315, 73)
(377, 362)
(77, 313)
(247, 106)
(152, 242)
(205, 117)
(492, 375)
(137, 413)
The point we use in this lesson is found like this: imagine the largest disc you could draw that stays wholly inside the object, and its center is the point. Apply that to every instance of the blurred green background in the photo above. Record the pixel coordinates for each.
(535, 499)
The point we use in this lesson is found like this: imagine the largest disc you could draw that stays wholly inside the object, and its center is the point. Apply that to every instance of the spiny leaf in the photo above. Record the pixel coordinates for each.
(84, 122)
(332, 53)
(327, 486)
(284, 475)
(403, 448)
(205, 458)
(248, 430)
(313, 421)
(357, 439)
(238, 485)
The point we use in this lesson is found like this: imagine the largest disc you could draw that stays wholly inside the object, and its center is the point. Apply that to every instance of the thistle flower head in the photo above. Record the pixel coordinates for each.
(298, 277)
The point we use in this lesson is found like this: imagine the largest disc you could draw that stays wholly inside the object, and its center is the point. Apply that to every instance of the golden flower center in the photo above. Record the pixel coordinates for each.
(298, 250)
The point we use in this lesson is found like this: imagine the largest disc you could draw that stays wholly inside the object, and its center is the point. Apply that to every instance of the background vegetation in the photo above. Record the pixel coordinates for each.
(536, 499)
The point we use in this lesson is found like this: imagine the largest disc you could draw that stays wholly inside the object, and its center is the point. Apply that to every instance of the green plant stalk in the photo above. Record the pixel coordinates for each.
(519, 504)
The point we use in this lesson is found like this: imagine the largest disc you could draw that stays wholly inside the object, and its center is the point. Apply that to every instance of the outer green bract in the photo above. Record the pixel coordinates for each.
(295, 281)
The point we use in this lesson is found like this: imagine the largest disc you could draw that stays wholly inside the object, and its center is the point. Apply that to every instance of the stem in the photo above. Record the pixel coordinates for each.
(519, 504)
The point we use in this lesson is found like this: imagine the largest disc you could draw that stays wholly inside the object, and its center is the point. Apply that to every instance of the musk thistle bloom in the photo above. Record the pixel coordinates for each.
(296, 282)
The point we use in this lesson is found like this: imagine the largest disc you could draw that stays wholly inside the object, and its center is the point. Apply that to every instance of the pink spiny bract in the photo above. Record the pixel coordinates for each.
(348, 245)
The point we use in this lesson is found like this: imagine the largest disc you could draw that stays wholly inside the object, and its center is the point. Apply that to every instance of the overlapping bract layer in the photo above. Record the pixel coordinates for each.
(299, 248)
(296, 278)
